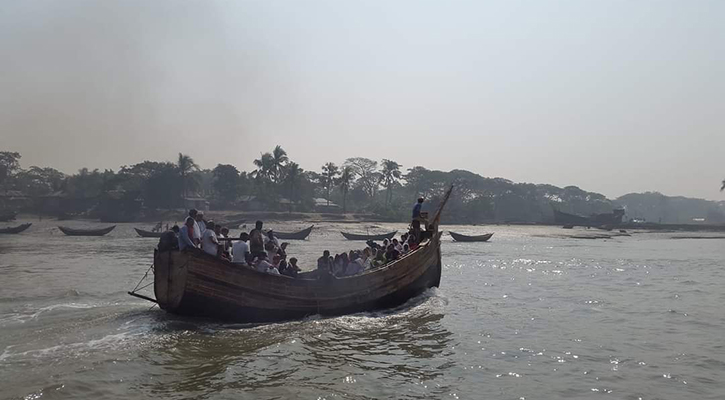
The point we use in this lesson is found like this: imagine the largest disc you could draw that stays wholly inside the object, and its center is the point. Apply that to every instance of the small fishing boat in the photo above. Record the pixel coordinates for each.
(86, 232)
(148, 234)
(301, 235)
(7, 216)
(192, 282)
(233, 224)
(15, 229)
(567, 227)
(463, 238)
(354, 236)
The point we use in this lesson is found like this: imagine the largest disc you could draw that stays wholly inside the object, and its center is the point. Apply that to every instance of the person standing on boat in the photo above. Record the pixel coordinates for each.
(196, 229)
(417, 218)
(256, 240)
(186, 234)
(240, 249)
(200, 221)
(209, 241)
(272, 239)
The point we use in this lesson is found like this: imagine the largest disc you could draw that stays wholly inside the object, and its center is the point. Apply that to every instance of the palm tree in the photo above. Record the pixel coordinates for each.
(345, 182)
(279, 159)
(265, 166)
(389, 176)
(185, 166)
(293, 173)
(329, 172)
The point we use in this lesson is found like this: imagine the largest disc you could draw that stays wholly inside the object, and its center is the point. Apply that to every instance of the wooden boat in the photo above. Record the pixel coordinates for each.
(8, 216)
(463, 238)
(192, 282)
(86, 232)
(233, 224)
(301, 235)
(16, 229)
(148, 234)
(568, 227)
(354, 236)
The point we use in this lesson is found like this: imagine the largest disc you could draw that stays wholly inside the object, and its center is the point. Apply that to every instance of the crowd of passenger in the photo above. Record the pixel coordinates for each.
(263, 251)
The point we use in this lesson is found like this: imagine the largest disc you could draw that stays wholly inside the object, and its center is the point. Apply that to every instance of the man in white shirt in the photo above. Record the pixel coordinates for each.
(240, 249)
(209, 241)
(266, 267)
(202, 224)
(197, 231)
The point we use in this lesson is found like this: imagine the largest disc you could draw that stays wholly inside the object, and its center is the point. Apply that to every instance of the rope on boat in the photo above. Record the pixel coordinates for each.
(142, 279)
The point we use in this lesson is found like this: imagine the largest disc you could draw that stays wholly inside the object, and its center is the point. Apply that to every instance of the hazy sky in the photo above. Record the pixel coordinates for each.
(611, 96)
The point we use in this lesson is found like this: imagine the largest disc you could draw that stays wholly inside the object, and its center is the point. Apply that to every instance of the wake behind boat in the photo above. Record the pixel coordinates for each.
(192, 282)
(86, 232)
(464, 238)
(16, 229)
(354, 236)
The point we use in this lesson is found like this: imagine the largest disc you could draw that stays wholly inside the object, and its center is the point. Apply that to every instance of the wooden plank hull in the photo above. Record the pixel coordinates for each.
(195, 283)
(15, 229)
(353, 236)
(463, 238)
(86, 232)
(148, 234)
(301, 235)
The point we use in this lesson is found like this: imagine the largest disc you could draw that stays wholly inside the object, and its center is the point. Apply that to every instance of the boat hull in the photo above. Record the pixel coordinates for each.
(464, 238)
(148, 234)
(8, 216)
(15, 229)
(86, 232)
(353, 236)
(197, 284)
(301, 235)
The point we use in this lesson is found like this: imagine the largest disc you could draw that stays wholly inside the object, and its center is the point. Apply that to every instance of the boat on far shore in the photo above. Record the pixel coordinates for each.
(15, 229)
(148, 234)
(464, 238)
(355, 236)
(300, 235)
(86, 232)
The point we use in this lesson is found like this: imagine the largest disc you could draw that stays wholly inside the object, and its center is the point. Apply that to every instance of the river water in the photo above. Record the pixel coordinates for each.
(529, 315)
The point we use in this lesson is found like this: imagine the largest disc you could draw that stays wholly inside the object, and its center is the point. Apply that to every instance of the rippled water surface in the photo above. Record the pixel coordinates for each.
(530, 315)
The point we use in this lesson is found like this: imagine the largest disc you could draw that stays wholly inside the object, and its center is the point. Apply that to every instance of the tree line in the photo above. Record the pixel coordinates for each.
(358, 185)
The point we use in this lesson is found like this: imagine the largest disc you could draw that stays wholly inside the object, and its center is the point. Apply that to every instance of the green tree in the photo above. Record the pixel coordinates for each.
(292, 178)
(9, 164)
(346, 180)
(185, 165)
(330, 171)
(226, 183)
(366, 172)
(389, 176)
(279, 160)
(38, 181)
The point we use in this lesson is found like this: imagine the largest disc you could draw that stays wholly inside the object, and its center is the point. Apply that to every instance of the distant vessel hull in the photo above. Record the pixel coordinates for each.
(606, 219)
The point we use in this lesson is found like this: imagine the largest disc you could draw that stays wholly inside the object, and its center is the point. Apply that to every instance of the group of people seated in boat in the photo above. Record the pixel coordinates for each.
(265, 253)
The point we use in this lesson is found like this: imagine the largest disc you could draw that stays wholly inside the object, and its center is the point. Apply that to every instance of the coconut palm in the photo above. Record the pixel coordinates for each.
(329, 172)
(389, 176)
(279, 160)
(292, 177)
(185, 166)
(347, 176)
(265, 167)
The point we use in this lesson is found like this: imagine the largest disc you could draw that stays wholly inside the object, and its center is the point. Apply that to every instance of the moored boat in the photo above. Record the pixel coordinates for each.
(300, 235)
(192, 282)
(15, 229)
(354, 236)
(86, 232)
(148, 234)
(464, 238)
(7, 216)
